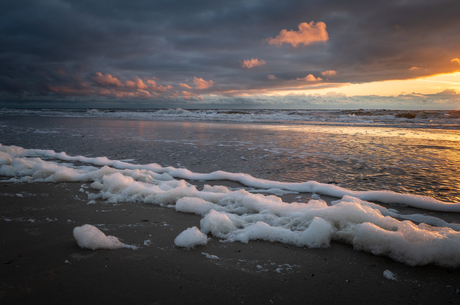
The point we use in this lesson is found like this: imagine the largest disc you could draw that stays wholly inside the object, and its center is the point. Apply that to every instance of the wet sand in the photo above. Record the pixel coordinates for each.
(42, 264)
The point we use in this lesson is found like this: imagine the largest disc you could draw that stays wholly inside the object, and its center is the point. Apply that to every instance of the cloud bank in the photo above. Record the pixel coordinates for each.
(73, 53)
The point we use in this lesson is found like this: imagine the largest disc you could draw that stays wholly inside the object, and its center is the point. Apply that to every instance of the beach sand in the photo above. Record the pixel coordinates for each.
(42, 263)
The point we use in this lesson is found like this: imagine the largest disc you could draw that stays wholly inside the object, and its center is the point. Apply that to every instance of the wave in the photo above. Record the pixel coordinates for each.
(361, 117)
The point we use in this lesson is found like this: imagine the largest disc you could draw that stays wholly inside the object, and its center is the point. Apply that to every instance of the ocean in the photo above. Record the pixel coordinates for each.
(386, 182)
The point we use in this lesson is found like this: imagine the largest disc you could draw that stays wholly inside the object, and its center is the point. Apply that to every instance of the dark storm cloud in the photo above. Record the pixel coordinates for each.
(53, 50)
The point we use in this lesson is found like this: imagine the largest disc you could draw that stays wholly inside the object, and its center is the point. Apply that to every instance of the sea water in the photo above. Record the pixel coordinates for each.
(362, 162)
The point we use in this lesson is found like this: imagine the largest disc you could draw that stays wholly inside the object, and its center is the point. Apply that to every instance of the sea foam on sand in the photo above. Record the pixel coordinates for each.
(190, 238)
(90, 237)
(243, 216)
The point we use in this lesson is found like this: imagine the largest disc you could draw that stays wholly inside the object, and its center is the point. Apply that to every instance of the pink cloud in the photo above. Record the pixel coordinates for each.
(329, 73)
(105, 92)
(254, 62)
(308, 33)
(121, 94)
(77, 88)
(139, 93)
(185, 95)
(271, 77)
(107, 80)
(142, 93)
(137, 84)
(310, 78)
(155, 87)
(185, 86)
(201, 83)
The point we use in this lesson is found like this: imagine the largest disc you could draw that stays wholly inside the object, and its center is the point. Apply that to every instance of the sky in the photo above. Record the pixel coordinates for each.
(399, 54)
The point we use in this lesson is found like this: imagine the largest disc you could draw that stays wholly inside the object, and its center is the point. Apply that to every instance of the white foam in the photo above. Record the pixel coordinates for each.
(195, 205)
(210, 256)
(389, 275)
(317, 235)
(90, 237)
(238, 215)
(190, 238)
(219, 224)
(41, 170)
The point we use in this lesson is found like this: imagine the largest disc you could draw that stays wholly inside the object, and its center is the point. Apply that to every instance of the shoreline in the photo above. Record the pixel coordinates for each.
(42, 261)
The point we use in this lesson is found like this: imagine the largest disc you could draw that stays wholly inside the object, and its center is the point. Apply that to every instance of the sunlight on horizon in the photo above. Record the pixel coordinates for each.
(424, 85)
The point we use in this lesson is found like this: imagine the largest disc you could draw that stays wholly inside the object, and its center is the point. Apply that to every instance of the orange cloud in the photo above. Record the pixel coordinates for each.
(254, 62)
(105, 92)
(136, 89)
(77, 88)
(329, 73)
(414, 68)
(142, 93)
(155, 87)
(107, 80)
(310, 78)
(456, 59)
(201, 83)
(139, 93)
(138, 84)
(307, 33)
(152, 83)
(185, 95)
(185, 86)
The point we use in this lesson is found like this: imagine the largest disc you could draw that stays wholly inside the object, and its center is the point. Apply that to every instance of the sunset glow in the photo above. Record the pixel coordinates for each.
(425, 85)
(146, 54)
